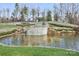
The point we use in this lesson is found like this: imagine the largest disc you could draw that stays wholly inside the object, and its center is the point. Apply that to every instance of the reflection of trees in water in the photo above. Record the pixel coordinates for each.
(70, 42)
(54, 38)
(22, 38)
(36, 40)
(7, 41)
(49, 40)
(56, 41)
(16, 39)
(65, 41)
(29, 40)
(76, 42)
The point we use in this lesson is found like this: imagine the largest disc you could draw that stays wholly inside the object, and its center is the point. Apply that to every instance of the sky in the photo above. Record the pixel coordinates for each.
(42, 6)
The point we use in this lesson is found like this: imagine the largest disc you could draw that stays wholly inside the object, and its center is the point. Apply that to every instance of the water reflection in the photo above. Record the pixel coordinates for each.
(64, 40)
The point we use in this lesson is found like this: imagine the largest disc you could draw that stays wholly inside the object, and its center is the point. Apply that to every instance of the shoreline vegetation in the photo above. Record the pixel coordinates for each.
(5, 34)
(7, 29)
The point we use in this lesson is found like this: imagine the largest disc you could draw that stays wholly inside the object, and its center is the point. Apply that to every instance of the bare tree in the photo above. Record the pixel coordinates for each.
(38, 13)
(24, 13)
(67, 12)
(8, 14)
(43, 16)
(33, 12)
(0, 14)
(55, 12)
(49, 15)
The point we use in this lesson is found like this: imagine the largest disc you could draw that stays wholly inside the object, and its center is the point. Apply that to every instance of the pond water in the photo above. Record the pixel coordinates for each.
(66, 40)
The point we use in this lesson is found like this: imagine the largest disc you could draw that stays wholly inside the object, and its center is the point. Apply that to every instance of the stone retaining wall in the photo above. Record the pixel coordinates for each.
(37, 31)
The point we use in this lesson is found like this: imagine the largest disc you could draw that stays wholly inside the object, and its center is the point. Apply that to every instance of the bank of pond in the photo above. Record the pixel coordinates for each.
(8, 33)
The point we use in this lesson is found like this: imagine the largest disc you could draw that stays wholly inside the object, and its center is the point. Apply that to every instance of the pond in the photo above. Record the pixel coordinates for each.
(66, 40)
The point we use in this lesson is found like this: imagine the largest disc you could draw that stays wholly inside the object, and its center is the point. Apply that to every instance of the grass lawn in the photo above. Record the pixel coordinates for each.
(35, 51)
(4, 27)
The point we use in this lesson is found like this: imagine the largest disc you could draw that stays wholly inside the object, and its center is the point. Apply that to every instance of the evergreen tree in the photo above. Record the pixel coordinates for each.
(49, 16)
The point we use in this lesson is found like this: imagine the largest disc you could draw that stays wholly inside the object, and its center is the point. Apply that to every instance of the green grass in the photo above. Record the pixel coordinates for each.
(67, 25)
(35, 51)
(7, 26)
